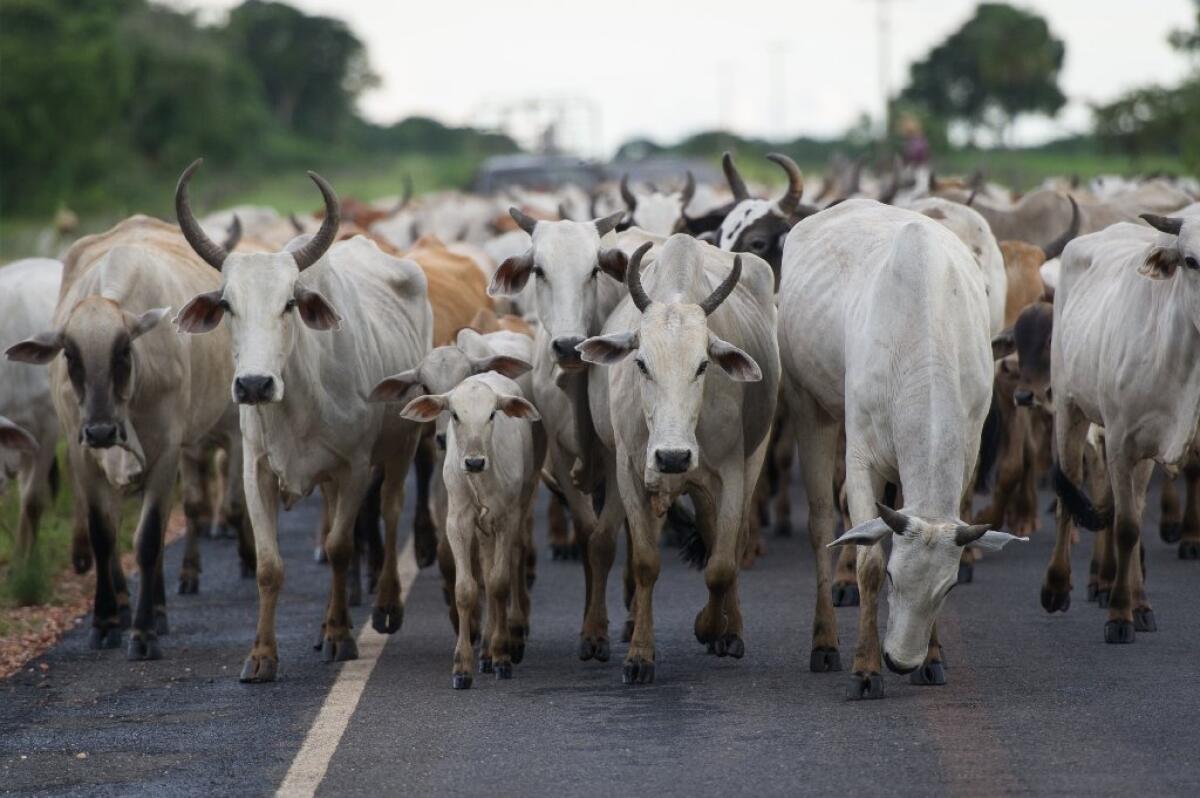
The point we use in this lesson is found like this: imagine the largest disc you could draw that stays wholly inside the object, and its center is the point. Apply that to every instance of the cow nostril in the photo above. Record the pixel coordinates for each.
(672, 461)
(474, 464)
(1023, 397)
(100, 435)
(564, 348)
(253, 389)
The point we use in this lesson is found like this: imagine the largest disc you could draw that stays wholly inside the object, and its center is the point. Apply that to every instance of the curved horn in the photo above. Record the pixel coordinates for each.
(790, 201)
(210, 251)
(633, 278)
(689, 188)
(563, 211)
(311, 252)
(523, 220)
(723, 290)
(233, 234)
(296, 223)
(1166, 224)
(1056, 247)
(971, 196)
(626, 194)
(734, 178)
(607, 224)
(405, 195)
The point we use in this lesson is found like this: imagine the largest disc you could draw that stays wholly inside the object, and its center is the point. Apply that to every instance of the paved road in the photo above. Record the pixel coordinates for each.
(1034, 704)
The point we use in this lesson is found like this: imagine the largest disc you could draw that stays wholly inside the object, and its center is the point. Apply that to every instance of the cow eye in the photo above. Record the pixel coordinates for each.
(641, 364)
(454, 416)
(758, 245)
(538, 272)
(224, 305)
(291, 304)
(595, 272)
(1191, 263)
(492, 416)
(703, 367)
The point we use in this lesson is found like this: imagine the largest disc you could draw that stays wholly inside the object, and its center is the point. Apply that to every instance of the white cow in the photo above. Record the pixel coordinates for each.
(657, 212)
(490, 474)
(884, 327)
(1125, 355)
(673, 426)
(314, 329)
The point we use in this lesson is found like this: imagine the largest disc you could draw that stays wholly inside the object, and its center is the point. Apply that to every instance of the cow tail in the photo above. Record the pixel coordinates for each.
(692, 549)
(1077, 503)
(989, 446)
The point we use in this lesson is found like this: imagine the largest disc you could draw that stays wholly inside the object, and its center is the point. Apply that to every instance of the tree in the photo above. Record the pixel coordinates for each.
(1002, 63)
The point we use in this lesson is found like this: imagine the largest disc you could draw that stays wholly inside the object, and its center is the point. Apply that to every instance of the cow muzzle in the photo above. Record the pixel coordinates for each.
(672, 461)
(474, 465)
(102, 434)
(896, 667)
(254, 389)
(565, 354)
(1023, 397)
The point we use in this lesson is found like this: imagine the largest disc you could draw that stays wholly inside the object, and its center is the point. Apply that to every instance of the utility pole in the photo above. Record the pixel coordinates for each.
(883, 42)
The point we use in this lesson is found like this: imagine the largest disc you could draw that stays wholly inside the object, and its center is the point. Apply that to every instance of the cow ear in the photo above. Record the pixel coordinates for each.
(39, 350)
(504, 365)
(392, 389)
(510, 278)
(202, 314)
(1004, 344)
(516, 407)
(604, 350)
(613, 262)
(1161, 263)
(424, 408)
(467, 338)
(315, 310)
(865, 534)
(979, 536)
(737, 364)
(15, 438)
(140, 325)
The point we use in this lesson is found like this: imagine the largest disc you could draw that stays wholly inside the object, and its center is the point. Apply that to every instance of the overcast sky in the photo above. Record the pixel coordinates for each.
(666, 68)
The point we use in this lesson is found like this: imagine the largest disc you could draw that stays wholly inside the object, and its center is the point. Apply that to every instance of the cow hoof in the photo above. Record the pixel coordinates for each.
(1093, 591)
(189, 584)
(339, 650)
(387, 620)
(864, 685)
(845, 594)
(503, 670)
(1189, 550)
(966, 573)
(596, 648)
(1102, 598)
(1143, 620)
(161, 627)
(319, 555)
(125, 617)
(142, 647)
(627, 631)
(1054, 601)
(824, 660)
(425, 543)
(257, 670)
(81, 562)
(461, 681)
(248, 571)
(1170, 531)
(931, 673)
(530, 578)
(105, 638)
(637, 671)
(1118, 632)
(729, 646)
(485, 665)
(783, 529)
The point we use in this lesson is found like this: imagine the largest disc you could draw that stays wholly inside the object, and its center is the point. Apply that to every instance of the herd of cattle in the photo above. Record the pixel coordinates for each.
(654, 358)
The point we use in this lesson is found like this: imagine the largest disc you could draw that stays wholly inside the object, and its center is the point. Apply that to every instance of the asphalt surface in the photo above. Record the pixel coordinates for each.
(1035, 704)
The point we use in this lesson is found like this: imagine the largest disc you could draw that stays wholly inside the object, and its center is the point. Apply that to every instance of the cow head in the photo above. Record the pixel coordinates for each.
(472, 408)
(760, 226)
(440, 371)
(922, 569)
(1178, 249)
(567, 261)
(672, 348)
(1024, 354)
(96, 341)
(262, 296)
(657, 212)
(14, 443)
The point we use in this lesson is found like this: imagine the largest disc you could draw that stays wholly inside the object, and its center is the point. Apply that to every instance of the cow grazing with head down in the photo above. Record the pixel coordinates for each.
(658, 212)
(134, 400)
(1124, 292)
(686, 409)
(313, 330)
(884, 327)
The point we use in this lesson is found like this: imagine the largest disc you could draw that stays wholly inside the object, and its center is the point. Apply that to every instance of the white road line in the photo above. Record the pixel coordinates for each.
(309, 767)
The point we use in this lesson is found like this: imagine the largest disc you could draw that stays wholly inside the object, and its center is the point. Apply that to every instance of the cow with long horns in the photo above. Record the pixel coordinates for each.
(672, 425)
(314, 329)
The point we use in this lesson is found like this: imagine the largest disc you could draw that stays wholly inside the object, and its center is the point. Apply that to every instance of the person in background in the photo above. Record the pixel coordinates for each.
(915, 147)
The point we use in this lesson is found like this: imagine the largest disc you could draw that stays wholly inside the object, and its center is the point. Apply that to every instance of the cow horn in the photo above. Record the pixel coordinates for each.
(1166, 224)
(210, 251)
(626, 194)
(311, 252)
(790, 201)
(734, 178)
(607, 224)
(1056, 247)
(564, 213)
(897, 520)
(971, 196)
(689, 188)
(233, 234)
(633, 278)
(523, 220)
(722, 291)
(297, 225)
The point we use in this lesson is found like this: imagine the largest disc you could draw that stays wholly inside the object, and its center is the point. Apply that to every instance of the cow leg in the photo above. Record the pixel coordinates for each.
(1024, 518)
(845, 574)
(346, 491)
(233, 504)
(94, 496)
(156, 505)
(424, 529)
(460, 534)
(719, 624)
(1170, 525)
(81, 544)
(388, 613)
(645, 529)
(932, 671)
(597, 561)
(262, 504)
(1070, 431)
(518, 617)
(1009, 469)
(558, 532)
(863, 489)
(781, 454)
(197, 504)
(34, 477)
(1104, 548)
(1189, 544)
(495, 555)
(817, 447)
(1127, 610)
